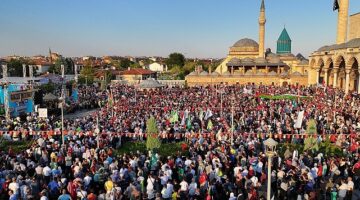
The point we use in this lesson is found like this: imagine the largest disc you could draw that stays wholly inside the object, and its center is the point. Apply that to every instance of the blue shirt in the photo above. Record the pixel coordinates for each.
(13, 197)
(53, 185)
(64, 197)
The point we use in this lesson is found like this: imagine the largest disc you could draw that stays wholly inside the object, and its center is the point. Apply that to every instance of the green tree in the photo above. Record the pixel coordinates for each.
(152, 141)
(15, 67)
(125, 63)
(175, 59)
(311, 143)
(87, 74)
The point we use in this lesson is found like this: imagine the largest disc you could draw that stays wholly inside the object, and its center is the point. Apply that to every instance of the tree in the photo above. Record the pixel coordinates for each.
(125, 63)
(68, 66)
(15, 67)
(311, 143)
(175, 59)
(87, 74)
(152, 141)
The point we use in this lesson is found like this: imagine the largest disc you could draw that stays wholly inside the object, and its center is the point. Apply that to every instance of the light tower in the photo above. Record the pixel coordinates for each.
(262, 21)
(342, 25)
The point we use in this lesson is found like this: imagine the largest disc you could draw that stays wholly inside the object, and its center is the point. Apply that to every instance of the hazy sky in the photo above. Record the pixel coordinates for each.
(196, 28)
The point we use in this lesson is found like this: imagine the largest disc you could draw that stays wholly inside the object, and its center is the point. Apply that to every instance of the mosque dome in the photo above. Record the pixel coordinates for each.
(246, 45)
(246, 42)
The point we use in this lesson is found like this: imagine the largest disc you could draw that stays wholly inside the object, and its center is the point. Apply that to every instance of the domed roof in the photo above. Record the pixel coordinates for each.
(215, 74)
(247, 60)
(272, 73)
(234, 62)
(246, 42)
(194, 73)
(296, 74)
(204, 73)
(260, 60)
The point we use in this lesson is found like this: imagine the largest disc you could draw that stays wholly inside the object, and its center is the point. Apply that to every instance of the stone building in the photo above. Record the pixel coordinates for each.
(248, 62)
(337, 65)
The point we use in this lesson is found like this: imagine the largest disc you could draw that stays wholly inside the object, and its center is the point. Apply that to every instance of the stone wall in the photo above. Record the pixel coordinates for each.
(354, 30)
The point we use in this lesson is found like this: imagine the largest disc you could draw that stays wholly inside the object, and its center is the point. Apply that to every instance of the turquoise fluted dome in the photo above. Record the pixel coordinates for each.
(284, 43)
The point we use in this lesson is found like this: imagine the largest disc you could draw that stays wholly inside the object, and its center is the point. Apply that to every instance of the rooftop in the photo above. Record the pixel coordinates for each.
(137, 71)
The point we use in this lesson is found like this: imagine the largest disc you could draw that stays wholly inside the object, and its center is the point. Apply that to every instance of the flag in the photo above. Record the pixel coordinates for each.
(110, 99)
(183, 121)
(188, 123)
(209, 125)
(218, 135)
(336, 5)
(208, 114)
(186, 113)
(299, 120)
(174, 117)
(201, 115)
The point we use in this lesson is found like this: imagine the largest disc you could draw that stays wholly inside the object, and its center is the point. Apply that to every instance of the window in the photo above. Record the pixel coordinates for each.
(272, 83)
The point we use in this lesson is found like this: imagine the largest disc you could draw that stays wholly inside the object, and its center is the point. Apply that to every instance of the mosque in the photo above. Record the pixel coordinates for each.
(337, 65)
(248, 62)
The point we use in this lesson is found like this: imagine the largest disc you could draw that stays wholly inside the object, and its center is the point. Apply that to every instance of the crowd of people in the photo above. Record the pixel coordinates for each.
(232, 164)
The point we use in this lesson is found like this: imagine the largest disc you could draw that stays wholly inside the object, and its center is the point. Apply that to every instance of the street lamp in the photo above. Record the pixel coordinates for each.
(61, 100)
(270, 147)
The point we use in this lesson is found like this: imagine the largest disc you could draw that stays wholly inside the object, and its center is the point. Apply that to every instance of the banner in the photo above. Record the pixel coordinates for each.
(299, 120)
(43, 112)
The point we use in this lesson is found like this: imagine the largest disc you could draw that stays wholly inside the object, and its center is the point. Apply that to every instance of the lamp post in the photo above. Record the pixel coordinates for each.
(270, 147)
(61, 105)
(62, 100)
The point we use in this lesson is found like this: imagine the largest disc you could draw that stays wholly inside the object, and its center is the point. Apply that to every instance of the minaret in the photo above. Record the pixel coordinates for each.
(262, 21)
(342, 21)
(50, 55)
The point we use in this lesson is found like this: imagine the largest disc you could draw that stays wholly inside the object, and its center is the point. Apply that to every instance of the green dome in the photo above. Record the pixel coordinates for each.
(284, 43)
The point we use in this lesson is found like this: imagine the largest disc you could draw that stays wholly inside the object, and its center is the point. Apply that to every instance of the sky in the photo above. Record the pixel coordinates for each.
(196, 28)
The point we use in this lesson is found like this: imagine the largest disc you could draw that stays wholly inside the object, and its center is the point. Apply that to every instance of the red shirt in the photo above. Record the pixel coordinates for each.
(91, 196)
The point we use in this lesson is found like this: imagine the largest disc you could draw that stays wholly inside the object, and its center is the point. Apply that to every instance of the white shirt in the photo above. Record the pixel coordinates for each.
(236, 171)
(350, 185)
(39, 170)
(13, 186)
(44, 198)
(87, 180)
(183, 186)
(47, 171)
(150, 183)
